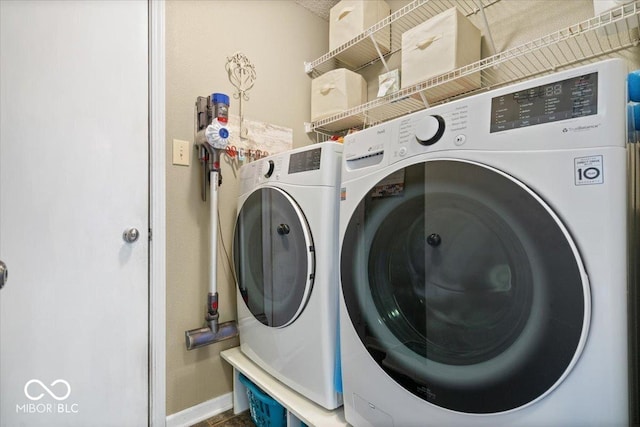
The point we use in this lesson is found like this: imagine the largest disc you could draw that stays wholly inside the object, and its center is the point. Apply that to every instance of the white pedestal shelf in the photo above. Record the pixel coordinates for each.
(299, 409)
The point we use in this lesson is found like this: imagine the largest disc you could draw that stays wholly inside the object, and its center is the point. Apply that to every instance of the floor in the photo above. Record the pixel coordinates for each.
(228, 419)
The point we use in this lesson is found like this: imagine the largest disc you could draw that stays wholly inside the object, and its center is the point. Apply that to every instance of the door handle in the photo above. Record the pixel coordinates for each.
(130, 235)
(283, 229)
(4, 274)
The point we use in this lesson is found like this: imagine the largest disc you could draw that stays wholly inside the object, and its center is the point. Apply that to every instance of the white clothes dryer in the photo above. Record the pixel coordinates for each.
(286, 262)
(483, 259)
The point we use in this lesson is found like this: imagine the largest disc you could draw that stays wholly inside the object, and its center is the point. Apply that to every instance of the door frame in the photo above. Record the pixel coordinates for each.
(157, 216)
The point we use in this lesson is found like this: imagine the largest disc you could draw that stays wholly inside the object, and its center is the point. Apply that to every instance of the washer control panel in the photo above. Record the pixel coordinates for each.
(550, 102)
(306, 160)
(579, 108)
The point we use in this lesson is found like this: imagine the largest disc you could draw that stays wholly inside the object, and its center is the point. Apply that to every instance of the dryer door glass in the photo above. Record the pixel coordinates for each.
(464, 286)
(273, 256)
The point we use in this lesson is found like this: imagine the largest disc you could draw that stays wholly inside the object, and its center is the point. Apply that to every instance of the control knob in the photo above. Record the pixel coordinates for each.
(267, 168)
(429, 129)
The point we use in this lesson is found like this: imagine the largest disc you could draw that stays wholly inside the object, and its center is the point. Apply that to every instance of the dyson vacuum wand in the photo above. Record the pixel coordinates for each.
(211, 140)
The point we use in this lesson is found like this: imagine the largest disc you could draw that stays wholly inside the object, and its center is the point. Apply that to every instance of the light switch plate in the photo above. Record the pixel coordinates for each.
(181, 152)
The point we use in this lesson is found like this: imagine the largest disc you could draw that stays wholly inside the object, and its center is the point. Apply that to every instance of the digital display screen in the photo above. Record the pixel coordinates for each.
(305, 161)
(562, 100)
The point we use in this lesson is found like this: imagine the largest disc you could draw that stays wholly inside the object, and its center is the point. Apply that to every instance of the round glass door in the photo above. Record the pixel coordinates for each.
(273, 257)
(464, 286)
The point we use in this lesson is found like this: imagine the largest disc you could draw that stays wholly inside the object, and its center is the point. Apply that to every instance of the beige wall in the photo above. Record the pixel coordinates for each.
(278, 37)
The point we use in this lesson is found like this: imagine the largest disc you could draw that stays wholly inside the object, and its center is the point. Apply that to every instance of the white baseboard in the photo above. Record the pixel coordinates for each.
(201, 412)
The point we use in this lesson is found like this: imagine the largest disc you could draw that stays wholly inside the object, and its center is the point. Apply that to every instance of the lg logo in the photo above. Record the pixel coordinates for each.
(66, 389)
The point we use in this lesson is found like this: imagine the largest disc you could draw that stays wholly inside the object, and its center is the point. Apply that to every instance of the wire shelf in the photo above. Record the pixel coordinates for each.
(362, 51)
(588, 41)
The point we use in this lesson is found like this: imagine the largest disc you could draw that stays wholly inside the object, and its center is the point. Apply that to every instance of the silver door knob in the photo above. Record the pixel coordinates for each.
(130, 235)
(4, 274)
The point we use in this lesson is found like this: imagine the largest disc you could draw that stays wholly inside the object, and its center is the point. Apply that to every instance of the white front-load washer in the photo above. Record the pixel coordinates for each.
(286, 262)
(483, 259)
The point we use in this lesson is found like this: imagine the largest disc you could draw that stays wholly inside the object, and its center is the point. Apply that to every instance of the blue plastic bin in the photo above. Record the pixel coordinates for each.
(265, 411)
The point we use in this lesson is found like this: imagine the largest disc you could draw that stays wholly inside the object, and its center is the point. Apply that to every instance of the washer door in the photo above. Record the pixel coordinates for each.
(273, 256)
(464, 286)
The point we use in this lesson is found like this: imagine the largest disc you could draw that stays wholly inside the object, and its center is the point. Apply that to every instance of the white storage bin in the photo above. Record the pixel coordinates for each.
(350, 18)
(336, 91)
(441, 44)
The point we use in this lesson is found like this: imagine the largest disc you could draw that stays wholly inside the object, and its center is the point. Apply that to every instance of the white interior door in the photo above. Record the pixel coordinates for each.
(74, 176)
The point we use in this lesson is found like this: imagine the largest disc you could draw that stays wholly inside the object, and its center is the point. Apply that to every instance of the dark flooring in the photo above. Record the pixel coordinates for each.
(228, 419)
